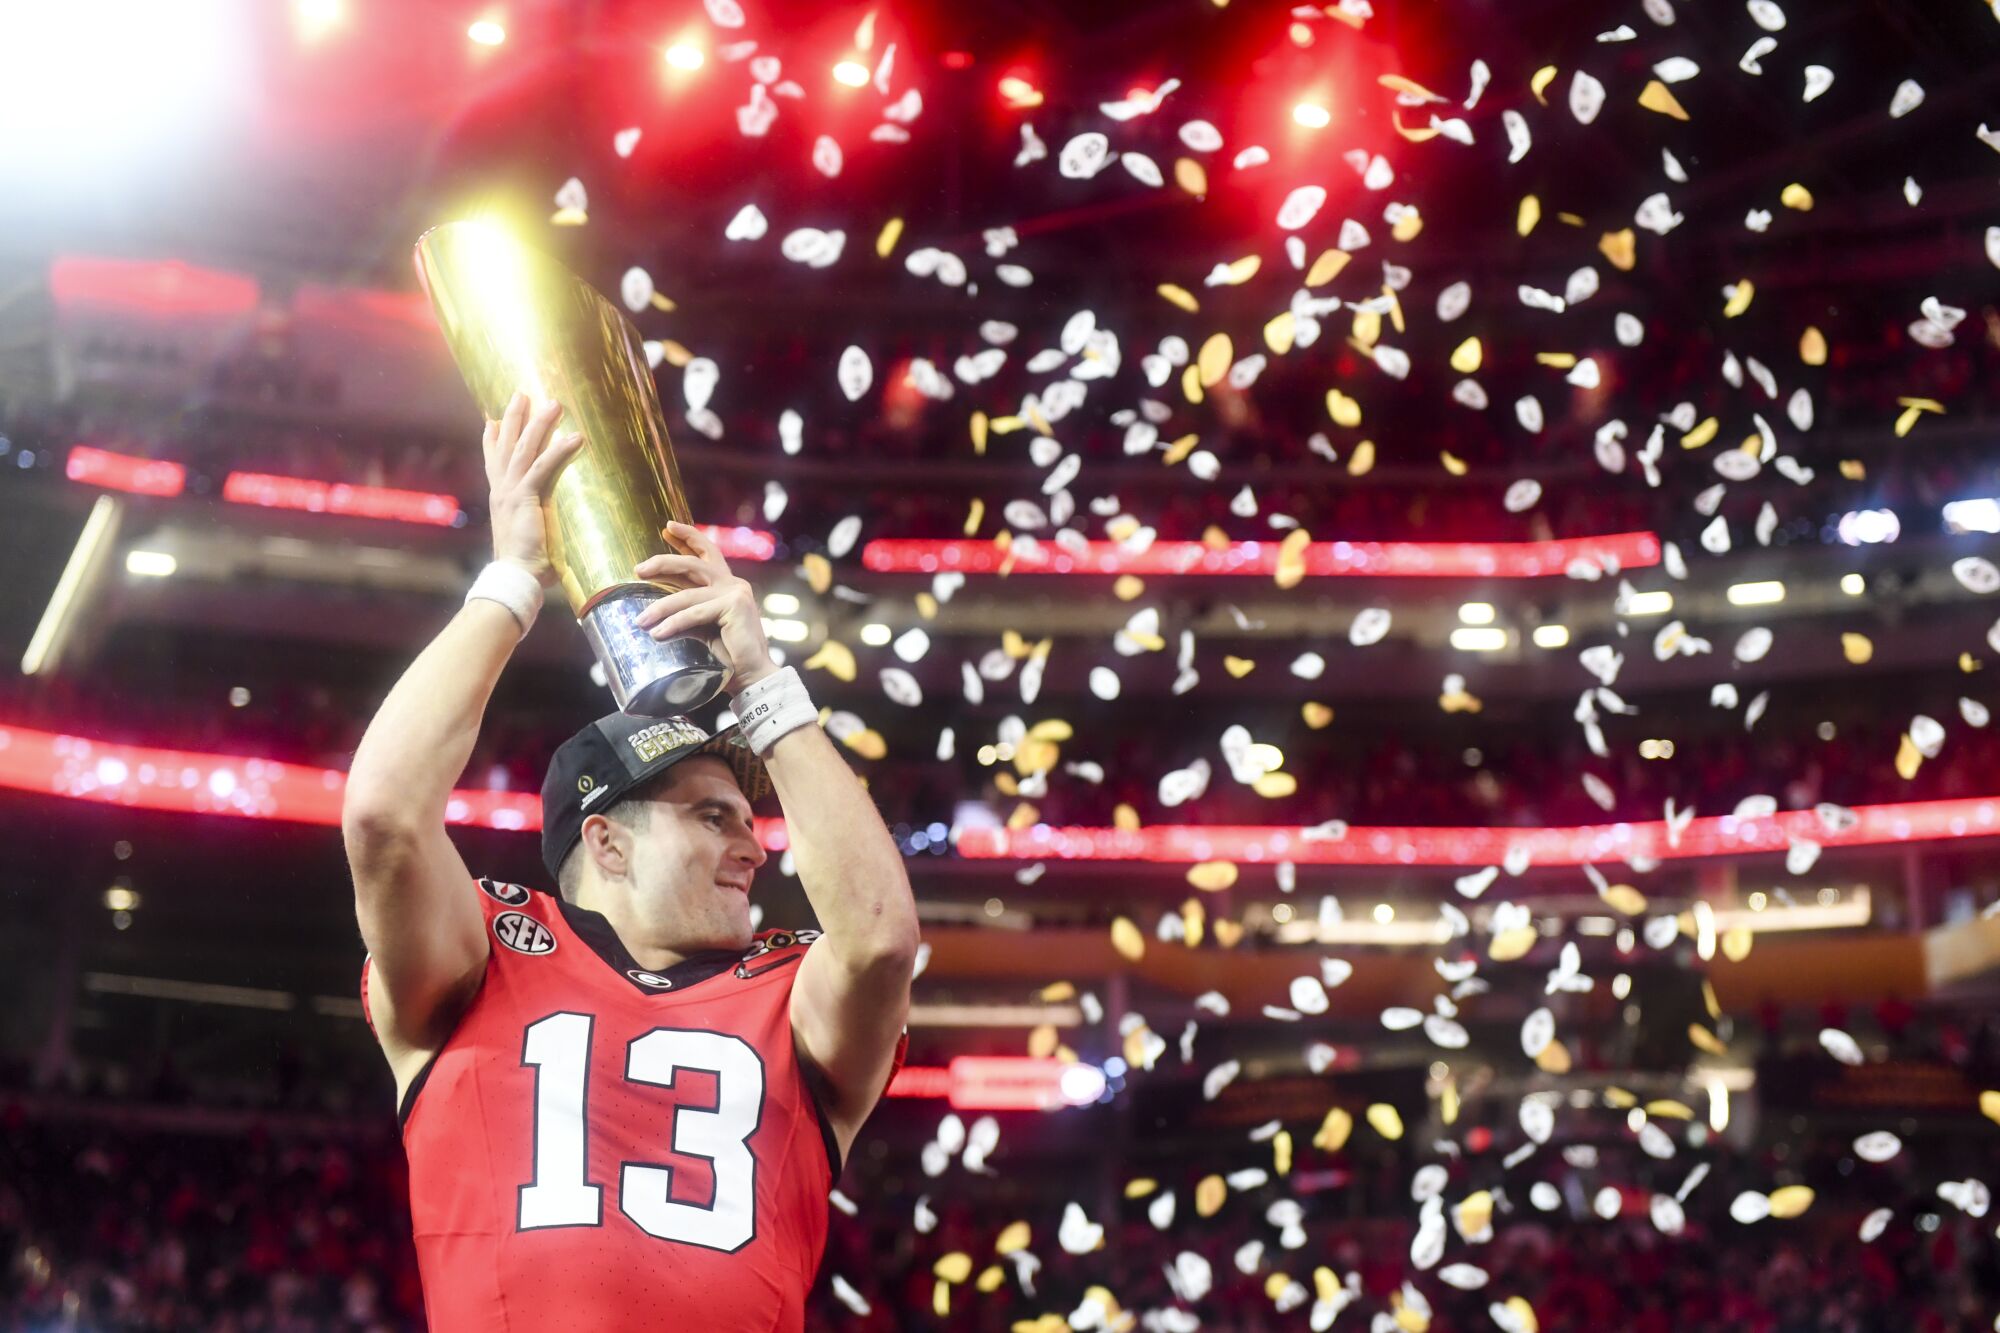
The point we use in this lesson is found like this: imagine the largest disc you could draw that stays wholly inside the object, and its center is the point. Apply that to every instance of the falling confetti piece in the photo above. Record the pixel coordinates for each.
(1656, 96)
(1127, 940)
(1385, 1120)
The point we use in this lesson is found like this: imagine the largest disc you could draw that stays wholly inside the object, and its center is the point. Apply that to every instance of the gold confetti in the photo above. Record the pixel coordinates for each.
(954, 1267)
(1366, 330)
(1656, 96)
(1042, 1041)
(836, 659)
(1403, 85)
(1812, 346)
(1739, 298)
(1701, 434)
(1618, 1099)
(1409, 224)
(1474, 1213)
(1052, 728)
(1317, 715)
(1989, 1105)
(1385, 1120)
(1624, 899)
(1278, 333)
(941, 1298)
(1736, 942)
(1619, 248)
(1853, 469)
(1791, 1201)
(1015, 1237)
(975, 516)
(664, 303)
(1228, 933)
(1238, 667)
(1127, 587)
(1362, 459)
(1214, 361)
(1511, 944)
(1539, 84)
(1209, 1195)
(1127, 940)
(1275, 786)
(1857, 648)
(1908, 758)
(1056, 992)
(1553, 1058)
(1968, 664)
(1007, 425)
(1452, 463)
(1325, 1284)
(1345, 411)
(1327, 267)
(1290, 569)
(1140, 1188)
(819, 572)
(1194, 921)
(1191, 176)
(1709, 1001)
(1281, 1152)
(1180, 296)
(885, 240)
(1333, 1130)
(568, 217)
(1529, 213)
(1797, 196)
(1523, 1315)
(990, 1278)
(868, 743)
(1465, 358)
(1012, 644)
(1125, 818)
(1023, 816)
(1212, 876)
(675, 354)
(1705, 1040)
(927, 606)
(1666, 1108)
(1180, 449)
(1560, 360)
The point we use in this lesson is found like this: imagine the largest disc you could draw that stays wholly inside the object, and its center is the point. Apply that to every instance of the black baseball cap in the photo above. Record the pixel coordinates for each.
(595, 768)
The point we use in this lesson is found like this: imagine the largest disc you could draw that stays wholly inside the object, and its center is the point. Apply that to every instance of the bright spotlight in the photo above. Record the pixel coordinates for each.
(852, 73)
(487, 33)
(876, 635)
(1853, 584)
(685, 55)
(787, 631)
(1080, 1084)
(318, 17)
(1981, 515)
(150, 564)
(1478, 639)
(1868, 527)
(1551, 636)
(1384, 914)
(1476, 613)
(1763, 593)
(1656, 603)
(1312, 115)
(781, 603)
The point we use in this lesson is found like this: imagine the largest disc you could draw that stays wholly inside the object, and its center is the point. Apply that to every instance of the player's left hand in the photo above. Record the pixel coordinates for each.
(711, 598)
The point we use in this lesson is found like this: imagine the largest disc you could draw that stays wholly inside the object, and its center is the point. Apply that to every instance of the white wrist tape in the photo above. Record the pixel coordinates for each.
(511, 586)
(772, 707)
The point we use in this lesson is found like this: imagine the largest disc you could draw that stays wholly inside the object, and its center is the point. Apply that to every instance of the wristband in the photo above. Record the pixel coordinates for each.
(511, 586)
(773, 707)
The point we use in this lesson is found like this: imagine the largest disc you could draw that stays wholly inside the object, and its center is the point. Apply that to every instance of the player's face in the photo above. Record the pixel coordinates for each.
(693, 863)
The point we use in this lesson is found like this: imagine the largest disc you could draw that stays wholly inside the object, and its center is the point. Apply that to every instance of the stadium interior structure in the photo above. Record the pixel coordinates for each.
(1212, 850)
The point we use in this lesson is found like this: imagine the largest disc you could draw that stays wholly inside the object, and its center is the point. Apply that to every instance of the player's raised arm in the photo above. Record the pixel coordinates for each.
(424, 932)
(852, 995)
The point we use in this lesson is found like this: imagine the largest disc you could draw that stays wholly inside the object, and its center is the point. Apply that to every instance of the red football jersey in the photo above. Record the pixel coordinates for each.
(600, 1147)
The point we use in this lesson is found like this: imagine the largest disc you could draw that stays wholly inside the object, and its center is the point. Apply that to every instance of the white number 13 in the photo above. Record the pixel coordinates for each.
(559, 1048)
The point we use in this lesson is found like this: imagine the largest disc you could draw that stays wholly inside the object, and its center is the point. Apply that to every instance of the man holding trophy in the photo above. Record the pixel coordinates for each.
(622, 1108)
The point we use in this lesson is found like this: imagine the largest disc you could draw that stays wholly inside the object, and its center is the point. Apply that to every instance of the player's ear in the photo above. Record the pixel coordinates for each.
(608, 844)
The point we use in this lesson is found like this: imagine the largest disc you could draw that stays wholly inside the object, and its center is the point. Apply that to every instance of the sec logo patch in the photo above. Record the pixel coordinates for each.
(522, 933)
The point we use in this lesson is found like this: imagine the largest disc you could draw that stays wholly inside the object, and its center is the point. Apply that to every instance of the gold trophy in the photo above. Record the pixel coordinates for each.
(515, 319)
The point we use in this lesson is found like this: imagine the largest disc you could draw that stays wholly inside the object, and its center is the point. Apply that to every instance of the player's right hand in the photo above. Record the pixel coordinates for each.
(522, 461)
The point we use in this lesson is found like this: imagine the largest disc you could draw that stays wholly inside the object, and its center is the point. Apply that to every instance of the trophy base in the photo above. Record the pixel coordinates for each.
(648, 677)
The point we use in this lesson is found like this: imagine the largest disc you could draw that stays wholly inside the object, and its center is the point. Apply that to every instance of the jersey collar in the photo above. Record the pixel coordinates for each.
(595, 930)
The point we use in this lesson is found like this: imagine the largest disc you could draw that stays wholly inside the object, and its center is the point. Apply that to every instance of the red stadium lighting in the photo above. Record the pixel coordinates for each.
(321, 497)
(685, 55)
(1001, 1083)
(957, 59)
(1312, 115)
(486, 32)
(316, 18)
(852, 73)
(1505, 560)
(117, 472)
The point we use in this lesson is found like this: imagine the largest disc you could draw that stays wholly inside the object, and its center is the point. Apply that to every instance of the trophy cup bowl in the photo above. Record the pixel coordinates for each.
(516, 319)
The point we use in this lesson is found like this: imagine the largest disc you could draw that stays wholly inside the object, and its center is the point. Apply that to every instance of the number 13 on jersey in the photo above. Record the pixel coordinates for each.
(558, 1048)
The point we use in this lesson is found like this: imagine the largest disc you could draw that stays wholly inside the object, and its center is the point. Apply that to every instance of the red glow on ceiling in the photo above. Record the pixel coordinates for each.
(957, 59)
(153, 287)
(326, 497)
(986, 1083)
(1505, 560)
(119, 472)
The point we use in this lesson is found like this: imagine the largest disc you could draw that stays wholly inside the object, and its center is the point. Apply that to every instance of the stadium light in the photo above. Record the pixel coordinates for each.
(875, 635)
(1478, 639)
(1551, 636)
(1868, 527)
(486, 32)
(787, 631)
(1656, 603)
(1312, 115)
(118, 472)
(1763, 593)
(781, 603)
(1853, 584)
(1476, 613)
(1982, 515)
(316, 18)
(852, 73)
(685, 55)
(150, 564)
